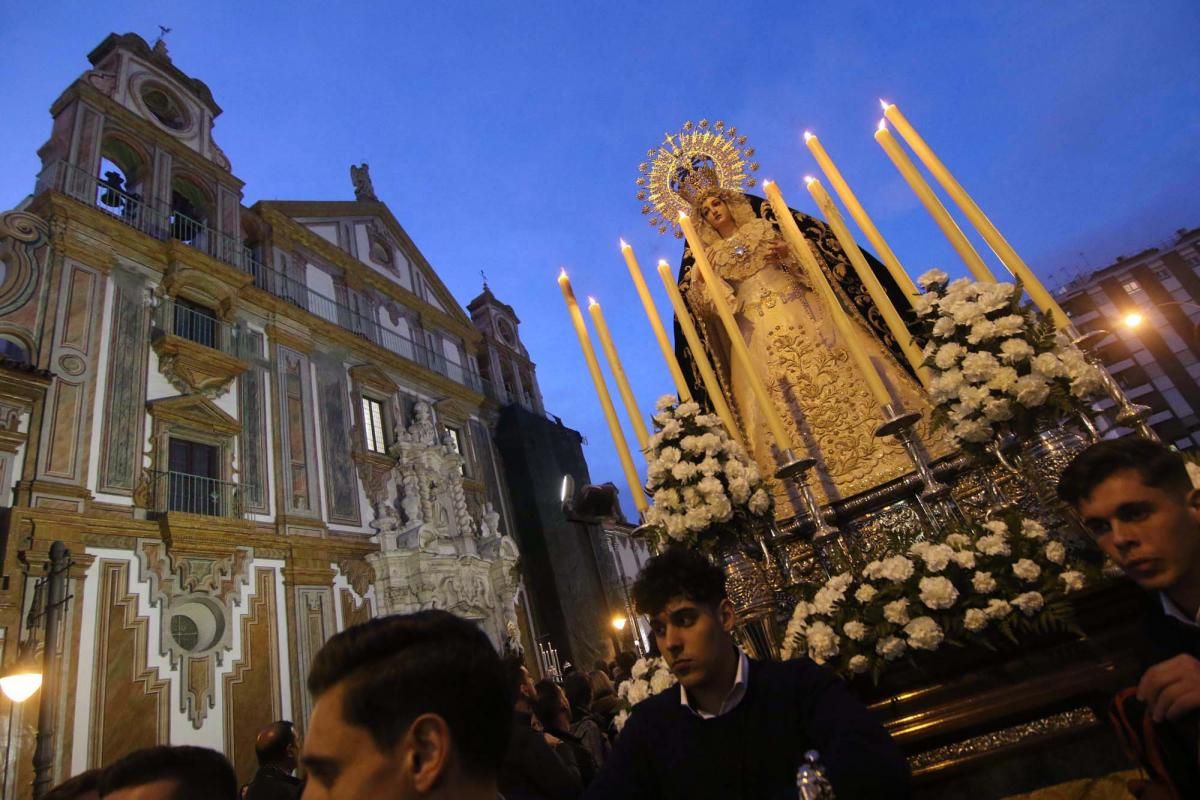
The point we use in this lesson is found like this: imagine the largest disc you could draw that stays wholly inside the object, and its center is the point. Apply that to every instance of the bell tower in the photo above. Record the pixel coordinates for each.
(503, 360)
(133, 136)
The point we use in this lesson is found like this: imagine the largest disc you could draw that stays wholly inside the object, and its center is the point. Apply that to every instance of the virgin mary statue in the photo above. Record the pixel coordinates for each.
(800, 356)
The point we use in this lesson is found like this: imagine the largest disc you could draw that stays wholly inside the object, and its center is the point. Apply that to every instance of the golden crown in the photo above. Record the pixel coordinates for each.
(699, 159)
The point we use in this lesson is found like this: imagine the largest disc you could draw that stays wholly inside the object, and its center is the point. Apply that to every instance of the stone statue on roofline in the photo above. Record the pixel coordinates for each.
(360, 176)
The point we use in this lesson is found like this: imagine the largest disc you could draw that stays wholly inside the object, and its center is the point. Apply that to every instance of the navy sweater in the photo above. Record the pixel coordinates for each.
(666, 752)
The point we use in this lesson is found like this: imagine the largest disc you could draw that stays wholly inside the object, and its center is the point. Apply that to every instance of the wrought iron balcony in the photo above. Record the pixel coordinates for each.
(178, 492)
(164, 224)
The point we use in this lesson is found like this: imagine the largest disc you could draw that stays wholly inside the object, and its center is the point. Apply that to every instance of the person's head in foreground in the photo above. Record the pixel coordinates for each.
(278, 746)
(1135, 499)
(170, 773)
(691, 618)
(84, 786)
(407, 706)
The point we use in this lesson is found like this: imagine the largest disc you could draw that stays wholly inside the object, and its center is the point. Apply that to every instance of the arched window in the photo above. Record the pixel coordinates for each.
(190, 208)
(13, 350)
(119, 184)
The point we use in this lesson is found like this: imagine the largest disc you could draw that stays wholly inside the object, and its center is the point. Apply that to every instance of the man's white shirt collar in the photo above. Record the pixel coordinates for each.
(736, 693)
(1172, 610)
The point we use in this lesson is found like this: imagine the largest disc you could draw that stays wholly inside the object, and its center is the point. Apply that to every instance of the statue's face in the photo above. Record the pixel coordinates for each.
(714, 211)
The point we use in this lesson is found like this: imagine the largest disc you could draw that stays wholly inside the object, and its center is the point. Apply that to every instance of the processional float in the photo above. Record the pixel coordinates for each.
(777, 571)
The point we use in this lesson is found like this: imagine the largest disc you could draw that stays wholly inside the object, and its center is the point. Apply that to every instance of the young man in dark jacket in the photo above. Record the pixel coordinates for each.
(735, 727)
(538, 765)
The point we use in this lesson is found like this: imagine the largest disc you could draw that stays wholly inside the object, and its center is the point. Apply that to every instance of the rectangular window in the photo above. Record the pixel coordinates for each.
(372, 411)
(456, 446)
(193, 478)
(1131, 286)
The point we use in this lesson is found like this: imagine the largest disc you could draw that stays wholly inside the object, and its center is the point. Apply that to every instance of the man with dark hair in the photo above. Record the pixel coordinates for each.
(536, 767)
(407, 706)
(584, 724)
(84, 786)
(736, 727)
(554, 715)
(277, 748)
(170, 773)
(1135, 499)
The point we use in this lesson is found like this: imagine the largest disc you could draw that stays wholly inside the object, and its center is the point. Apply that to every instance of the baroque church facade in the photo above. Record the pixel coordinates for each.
(251, 427)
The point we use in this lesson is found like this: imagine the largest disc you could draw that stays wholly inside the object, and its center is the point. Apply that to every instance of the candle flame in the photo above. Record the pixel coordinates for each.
(808, 180)
(682, 216)
(882, 125)
(562, 273)
(662, 262)
(624, 244)
(592, 301)
(767, 183)
(884, 104)
(808, 135)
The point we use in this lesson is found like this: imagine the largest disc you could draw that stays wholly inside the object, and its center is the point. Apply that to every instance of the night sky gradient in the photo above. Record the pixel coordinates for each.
(505, 137)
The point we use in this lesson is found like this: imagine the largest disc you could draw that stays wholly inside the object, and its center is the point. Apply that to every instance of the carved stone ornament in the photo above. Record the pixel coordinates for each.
(360, 176)
(196, 595)
(433, 552)
(193, 368)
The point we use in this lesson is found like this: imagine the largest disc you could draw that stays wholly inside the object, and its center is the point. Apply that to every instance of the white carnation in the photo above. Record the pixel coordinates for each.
(855, 630)
(1026, 570)
(938, 592)
(923, 304)
(661, 680)
(665, 401)
(998, 527)
(1031, 390)
(964, 558)
(1032, 529)
(638, 691)
(937, 557)
(997, 609)
(1073, 580)
(949, 355)
(1002, 380)
(640, 668)
(760, 501)
(822, 642)
(924, 634)
(859, 664)
(992, 545)
(1029, 602)
(891, 647)
(983, 582)
(896, 612)
(896, 568)
(1010, 325)
(972, 430)
(975, 620)
(688, 409)
(865, 593)
(932, 278)
(982, 331)
(1016, 350)
(958, 540)
(944, 328)
(620, 719)
(998, 410)
(1048, 365)
(1055, 552)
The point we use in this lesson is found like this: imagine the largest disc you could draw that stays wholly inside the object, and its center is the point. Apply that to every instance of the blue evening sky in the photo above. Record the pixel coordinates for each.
(506, 136)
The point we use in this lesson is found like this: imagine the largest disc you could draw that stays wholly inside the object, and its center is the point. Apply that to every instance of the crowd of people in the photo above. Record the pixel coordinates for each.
(423, 706)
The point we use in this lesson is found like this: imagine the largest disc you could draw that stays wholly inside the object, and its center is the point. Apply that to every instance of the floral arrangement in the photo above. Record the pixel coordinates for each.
(700, 478)
(648, 677)
(998, 364)
(1005, 578)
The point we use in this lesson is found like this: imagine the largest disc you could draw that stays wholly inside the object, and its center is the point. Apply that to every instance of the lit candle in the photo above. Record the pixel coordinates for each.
(1000, 246)
(816, 277)
(867, 275)
(660, 333)
(860, 216)
(740, 352)
(707, 376)
(934, 206)
(610, 413)
(614, 365)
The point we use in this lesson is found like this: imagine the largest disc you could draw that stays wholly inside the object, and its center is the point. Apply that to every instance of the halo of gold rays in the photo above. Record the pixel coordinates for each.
(715, 146)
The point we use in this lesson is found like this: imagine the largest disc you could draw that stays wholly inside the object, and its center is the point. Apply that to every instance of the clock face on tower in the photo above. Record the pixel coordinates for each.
(506, 332)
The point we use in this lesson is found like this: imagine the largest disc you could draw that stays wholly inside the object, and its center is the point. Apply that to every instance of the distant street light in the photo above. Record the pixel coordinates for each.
(1132, 320)
(21, 680)
(618, 623)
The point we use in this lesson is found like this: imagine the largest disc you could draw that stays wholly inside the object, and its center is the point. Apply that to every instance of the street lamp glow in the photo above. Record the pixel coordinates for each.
(1132, 320)
(618, 622)
(19, 685)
